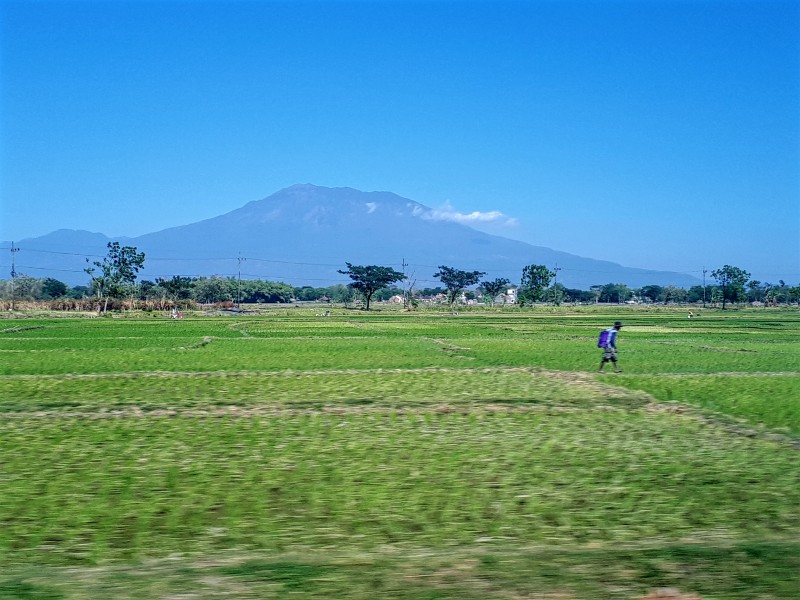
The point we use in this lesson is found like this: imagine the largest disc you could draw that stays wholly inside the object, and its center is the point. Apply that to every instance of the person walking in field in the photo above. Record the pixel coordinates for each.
(608, 342)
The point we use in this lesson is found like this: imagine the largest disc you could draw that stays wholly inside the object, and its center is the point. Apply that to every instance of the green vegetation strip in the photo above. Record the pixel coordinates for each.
(739, 571)
(379, 388)
(400, 455)
(764, 401)
(77, 490)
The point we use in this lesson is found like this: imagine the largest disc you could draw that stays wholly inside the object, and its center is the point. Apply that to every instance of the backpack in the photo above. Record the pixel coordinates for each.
(602, 339)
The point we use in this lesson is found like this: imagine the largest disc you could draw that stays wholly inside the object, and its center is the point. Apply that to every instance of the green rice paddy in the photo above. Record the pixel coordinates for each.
(400, 455)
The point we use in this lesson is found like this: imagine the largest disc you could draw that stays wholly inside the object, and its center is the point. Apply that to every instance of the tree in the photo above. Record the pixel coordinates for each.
(455, 280)
(79, 291)
(653, 293)
(118, 269)
(368, 279)
(576, 295)
(431, 292)
(535, 280)
(493, 288)
(408, 291)
(696, 293)
(24, 287)
(732, 281)
(178, 288)
(755, 290)
(615, 292)
(340, 293)
(53, 288)
(558, 292)
(213, 289)
(257, 290)
(674, 294)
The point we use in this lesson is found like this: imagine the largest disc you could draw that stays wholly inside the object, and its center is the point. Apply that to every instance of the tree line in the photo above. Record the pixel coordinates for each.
(113, 280)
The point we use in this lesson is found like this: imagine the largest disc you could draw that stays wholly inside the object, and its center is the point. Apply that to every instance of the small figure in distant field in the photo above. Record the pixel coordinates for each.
(608, 342)
(174, 313)
(691, 314)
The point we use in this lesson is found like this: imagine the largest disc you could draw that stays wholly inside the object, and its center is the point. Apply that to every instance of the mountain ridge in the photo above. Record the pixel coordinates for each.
(304, 233)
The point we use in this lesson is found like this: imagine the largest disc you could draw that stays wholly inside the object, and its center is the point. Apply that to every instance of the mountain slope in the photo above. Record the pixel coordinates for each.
(305, 233)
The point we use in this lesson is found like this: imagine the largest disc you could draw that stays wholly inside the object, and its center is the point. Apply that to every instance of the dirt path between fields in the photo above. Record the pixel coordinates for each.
(588, 378)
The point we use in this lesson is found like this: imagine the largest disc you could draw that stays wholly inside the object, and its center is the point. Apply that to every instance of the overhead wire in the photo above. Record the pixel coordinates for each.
(498, 270)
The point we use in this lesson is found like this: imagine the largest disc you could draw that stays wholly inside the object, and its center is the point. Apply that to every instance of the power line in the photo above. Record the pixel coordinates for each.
(508, 272)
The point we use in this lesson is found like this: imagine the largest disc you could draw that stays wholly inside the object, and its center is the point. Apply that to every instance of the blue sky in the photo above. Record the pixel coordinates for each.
(654, 134)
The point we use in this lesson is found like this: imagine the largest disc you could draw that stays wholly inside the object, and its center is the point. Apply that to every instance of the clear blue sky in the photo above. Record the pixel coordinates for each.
(654, 134)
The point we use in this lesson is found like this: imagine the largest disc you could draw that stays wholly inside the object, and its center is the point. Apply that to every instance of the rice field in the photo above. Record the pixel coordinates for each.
(400, 455)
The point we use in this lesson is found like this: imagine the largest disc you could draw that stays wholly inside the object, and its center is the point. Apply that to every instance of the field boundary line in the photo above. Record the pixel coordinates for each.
(571, 376)
(283, 373)
(719, 374)
(330, 410)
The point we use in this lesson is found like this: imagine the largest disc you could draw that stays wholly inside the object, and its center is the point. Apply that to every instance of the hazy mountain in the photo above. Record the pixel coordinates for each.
(304, 233)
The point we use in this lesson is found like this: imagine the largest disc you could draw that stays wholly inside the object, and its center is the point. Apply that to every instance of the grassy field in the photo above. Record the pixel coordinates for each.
(400, 455)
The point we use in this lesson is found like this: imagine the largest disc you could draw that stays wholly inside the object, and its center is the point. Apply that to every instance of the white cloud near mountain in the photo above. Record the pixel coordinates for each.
(447, 213)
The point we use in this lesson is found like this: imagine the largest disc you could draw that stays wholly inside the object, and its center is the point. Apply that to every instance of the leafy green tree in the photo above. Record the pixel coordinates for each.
(340, 293)
(455, 280)
(177, 288)
(214, 289)
(654, 293)
(779, 294)
(386, 293)
(615, 292)
(674, 294)
(308, 293)
(148, 290)
(259, 291)
(695, 294)
(117, 270)
(756, 291)
(79, 291)
(491, 289)
(535, 280)
(53, 288)
(431, 292)
(23, 287)
(732, 281)
(576, 295)
(371, 278)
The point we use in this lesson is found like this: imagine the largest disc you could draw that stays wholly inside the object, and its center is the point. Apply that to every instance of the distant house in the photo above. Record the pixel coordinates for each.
(396, 299)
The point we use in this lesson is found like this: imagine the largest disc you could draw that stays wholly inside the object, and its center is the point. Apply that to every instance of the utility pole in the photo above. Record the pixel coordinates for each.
(405, 292)
(13, 272)
(556, 269)
(239, 284)
(704, 286)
